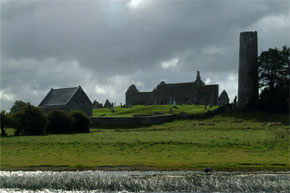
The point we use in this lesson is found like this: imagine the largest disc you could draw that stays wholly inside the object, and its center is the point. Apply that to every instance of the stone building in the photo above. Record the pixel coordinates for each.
(67, 99)
(108, 104)
(97, 105)
(175, 93)
(223, 99)
(248, 68)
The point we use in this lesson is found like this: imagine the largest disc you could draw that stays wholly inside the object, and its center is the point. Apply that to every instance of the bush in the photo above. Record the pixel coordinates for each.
(276, 101)
(16, 119)
(3, 123)
(59, 121)
(81, 122)
(30, 121)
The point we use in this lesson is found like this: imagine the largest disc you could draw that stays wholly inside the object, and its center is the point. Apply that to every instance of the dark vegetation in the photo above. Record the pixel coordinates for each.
(27, 119)
(63, 122)
(59, 122)
(274, 72)
(81, 122)
(30, 121)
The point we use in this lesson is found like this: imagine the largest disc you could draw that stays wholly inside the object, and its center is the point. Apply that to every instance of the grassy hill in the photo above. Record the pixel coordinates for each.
(150, 109)
(233, 141)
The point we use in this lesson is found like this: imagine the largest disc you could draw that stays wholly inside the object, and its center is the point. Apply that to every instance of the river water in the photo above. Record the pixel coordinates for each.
(141, 181)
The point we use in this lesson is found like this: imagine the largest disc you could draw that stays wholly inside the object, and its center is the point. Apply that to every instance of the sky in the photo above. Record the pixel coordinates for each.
(105, 46)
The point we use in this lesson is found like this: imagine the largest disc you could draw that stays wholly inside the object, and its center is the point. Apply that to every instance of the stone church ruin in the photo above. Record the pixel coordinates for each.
(196, 92)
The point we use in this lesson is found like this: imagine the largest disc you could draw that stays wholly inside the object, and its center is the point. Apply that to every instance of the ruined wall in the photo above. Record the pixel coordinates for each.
(80, 102)
(139, 98)
(207, 94)
(248, 68)
(181, 93)
(223, 99)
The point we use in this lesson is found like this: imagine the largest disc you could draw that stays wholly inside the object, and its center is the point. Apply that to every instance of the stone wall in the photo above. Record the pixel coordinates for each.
(81, 102)
(140, 98)
(207, 95)
(157, 119)
(181, 93)
(138, 120)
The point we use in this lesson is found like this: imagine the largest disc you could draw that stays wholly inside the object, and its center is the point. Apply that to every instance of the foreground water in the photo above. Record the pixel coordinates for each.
(137, 181)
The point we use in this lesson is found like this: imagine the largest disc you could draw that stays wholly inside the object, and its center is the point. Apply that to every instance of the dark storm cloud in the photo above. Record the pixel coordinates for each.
(107, 45)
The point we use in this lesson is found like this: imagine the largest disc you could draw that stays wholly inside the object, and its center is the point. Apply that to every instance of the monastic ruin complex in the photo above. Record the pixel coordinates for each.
(198, 93)
(175, 93)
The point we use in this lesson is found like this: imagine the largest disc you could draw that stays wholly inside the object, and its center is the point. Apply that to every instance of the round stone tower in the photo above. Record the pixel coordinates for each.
(248, 68)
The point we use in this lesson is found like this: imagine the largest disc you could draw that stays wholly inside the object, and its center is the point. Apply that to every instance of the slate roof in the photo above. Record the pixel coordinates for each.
(59, 96)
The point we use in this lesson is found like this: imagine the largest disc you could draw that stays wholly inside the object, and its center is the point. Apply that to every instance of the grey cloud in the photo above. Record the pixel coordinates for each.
(111, 42)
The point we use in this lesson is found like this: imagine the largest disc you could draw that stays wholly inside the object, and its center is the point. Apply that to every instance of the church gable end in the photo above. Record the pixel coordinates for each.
(80, 101)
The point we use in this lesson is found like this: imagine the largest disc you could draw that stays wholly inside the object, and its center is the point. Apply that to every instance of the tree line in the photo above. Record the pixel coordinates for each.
(27, 119)
(274, 72)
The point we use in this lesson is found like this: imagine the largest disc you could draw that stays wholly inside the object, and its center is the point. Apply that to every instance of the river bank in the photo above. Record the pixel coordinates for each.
(146, 169)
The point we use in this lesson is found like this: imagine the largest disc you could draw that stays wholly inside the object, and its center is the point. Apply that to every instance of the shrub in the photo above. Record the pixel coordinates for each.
(3, 122)
(81, 122)
(16, 119)
(277, 101)
(59, 121)
(29, 121)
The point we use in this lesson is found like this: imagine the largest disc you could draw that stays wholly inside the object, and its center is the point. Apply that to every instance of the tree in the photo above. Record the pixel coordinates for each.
(30, 121)
(18, 106)
(285, 71)
(33, 121)
(274, 79)
(3, 120)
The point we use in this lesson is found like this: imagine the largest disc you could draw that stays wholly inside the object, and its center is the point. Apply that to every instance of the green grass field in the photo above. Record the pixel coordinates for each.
(241, 141)
(150, 109)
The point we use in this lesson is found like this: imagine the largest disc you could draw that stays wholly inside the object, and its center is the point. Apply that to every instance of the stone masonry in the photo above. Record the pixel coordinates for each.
(179, 93)
(248, 68)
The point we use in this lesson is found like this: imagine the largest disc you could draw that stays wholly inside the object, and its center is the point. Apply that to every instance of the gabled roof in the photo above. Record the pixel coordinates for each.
(132, 88)
(224, 94)
(59, 96)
